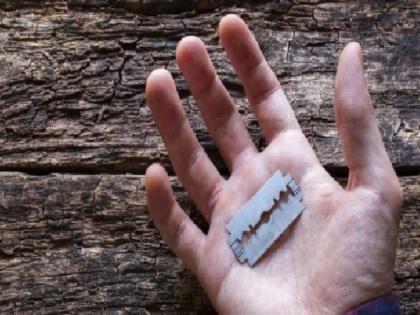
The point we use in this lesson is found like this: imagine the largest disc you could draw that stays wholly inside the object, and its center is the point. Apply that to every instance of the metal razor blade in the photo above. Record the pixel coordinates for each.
(264, 218)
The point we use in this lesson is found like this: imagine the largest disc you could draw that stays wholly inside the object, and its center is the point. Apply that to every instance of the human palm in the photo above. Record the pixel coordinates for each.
(340, 252)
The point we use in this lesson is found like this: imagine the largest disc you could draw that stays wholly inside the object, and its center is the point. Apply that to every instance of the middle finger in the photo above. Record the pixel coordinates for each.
(217, 107)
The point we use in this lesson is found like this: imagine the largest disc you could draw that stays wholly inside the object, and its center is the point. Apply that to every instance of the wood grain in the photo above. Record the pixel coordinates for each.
(72, 78)
(85, 243)
(72, 106)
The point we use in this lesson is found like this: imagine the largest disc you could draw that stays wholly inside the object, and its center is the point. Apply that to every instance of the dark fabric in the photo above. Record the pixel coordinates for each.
(384, 305)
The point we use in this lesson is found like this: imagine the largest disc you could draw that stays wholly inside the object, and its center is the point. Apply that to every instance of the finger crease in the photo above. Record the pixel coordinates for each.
(215, 194)
(179, 128)
(195, 159)
(179, 230)
(265, 94)
(212, 80)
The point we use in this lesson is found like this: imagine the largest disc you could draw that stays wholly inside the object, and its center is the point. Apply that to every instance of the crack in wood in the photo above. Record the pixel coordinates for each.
(75, 232)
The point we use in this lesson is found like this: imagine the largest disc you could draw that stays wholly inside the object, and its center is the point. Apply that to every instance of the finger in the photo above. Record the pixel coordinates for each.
(181, 235)
(262, 88)
(363, 148)
(218, 109)
(192, 165)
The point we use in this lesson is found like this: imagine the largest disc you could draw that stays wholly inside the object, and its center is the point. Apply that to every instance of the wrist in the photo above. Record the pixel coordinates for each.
(383, 305)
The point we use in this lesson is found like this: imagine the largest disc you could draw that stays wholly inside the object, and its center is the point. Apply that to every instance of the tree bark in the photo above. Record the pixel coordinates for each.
(72, 81)
(86, 243)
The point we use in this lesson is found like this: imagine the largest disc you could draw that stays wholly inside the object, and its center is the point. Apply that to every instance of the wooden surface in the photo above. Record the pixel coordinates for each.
(85, 243)
(75, 236)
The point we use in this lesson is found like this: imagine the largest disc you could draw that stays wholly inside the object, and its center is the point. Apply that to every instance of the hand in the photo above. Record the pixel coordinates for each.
(341, 250)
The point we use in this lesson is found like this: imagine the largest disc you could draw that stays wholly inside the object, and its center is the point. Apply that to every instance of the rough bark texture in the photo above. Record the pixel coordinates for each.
(72, 78)
(85, 243)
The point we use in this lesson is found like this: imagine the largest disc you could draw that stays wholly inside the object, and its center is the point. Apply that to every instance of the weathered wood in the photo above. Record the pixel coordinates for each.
(72, 77)
(72, 244)
(85, 243)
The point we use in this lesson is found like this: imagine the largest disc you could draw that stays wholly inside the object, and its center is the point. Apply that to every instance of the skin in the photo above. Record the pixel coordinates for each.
(340, 252)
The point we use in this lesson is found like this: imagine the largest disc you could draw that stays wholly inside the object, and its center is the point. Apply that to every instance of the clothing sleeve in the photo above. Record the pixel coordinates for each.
(384, 305)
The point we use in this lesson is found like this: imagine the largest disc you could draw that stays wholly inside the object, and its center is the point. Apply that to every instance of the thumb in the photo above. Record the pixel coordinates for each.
(363, 148)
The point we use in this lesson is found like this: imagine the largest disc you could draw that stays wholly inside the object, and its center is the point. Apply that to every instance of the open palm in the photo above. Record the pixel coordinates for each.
(341, 250)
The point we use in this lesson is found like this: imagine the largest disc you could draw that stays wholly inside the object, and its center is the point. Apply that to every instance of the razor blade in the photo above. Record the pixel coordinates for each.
(264, 218)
